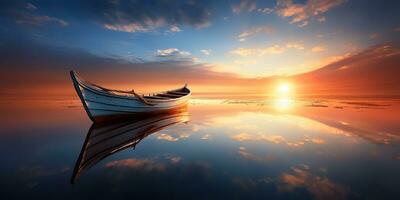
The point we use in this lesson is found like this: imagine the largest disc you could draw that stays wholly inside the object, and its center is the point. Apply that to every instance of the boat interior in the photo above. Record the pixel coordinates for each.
(173, 94)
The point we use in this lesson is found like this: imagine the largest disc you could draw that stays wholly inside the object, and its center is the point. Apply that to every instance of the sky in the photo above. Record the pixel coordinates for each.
(211, 42)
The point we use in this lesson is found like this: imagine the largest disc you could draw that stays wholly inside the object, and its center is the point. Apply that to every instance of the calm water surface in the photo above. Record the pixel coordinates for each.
(232, 149)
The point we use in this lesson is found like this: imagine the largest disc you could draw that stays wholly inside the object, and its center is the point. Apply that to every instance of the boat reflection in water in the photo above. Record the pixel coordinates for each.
(106, 138)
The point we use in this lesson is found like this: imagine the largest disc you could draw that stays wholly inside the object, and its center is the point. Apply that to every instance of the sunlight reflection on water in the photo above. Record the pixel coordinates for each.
(283, 103)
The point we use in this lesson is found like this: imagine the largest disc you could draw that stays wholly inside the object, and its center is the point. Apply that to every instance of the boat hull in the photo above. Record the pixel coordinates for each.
(103, 106)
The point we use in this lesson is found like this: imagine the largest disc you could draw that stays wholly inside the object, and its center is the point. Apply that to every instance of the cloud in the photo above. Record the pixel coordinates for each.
(319, 186)
(265, 10)
(26, 13)
(172, 137)
(302, 24)
(147, 164)
(158, 163)
(297, 46)
(371, 71)
(126, 28)
(167, 137)
(132, 163)
(244, 6)
(245, 62)
(245, 52)
(175, 29)
(254, 30)
(30, 6)
(317, 49)
(206, 51)
(243, 137)
(175, 159)
(321, 19)
(206, 137)
(171, 52)
(39, 20)
(300, 14)
(276, 139)
(318, 141)
(288, 9)
(29, 17)
(144, 16)
(374, 36)
(174, 54)
(244, 153)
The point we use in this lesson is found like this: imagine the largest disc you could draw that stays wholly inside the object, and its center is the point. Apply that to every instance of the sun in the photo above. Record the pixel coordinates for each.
(284, 89)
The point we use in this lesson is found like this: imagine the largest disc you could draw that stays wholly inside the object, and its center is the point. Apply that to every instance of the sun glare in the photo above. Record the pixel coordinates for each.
(283, 89)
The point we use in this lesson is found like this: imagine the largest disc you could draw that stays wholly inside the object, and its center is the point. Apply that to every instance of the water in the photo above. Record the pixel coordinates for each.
(231, 149)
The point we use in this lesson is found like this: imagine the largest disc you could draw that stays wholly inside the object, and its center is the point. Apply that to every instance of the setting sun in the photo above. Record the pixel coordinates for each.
(284, 89)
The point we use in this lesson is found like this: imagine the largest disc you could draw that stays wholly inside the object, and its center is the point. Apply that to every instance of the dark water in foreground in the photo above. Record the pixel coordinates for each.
(276, 149)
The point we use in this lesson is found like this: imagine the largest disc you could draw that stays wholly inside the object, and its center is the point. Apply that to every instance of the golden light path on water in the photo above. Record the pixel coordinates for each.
(283, 103)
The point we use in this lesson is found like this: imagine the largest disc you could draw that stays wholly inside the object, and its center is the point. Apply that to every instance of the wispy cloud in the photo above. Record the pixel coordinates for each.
(206, 51)
(167, 137)
(244, 52)
(244, 153)
(254, 30)
(265, 10)
(272, 138)
(244, 6)
(374, 36)
(172, 52)
(321, 19)
(206, 137)
(27, 14)
(317, 49)
(126, 28)
(132, 163)
(141, 16)
(30, 6)
(300, 14)
(298, 46)
(39, 20)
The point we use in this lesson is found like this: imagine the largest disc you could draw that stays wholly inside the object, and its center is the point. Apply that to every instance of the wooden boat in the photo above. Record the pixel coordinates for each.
(101, 103)
(105, 139)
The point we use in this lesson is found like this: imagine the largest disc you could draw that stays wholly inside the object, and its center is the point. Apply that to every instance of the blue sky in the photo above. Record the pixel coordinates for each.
(247, 37)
